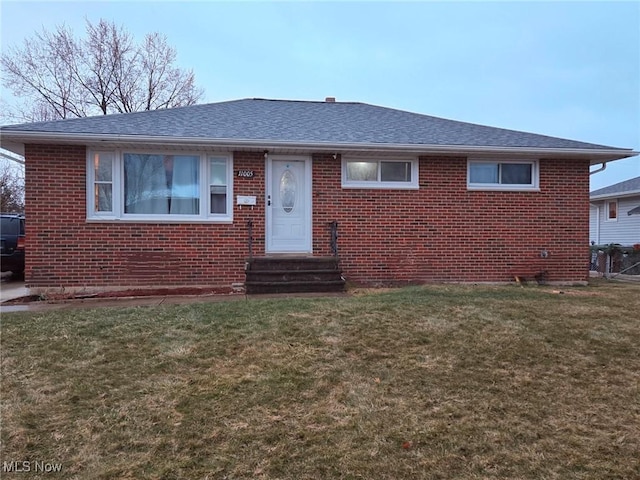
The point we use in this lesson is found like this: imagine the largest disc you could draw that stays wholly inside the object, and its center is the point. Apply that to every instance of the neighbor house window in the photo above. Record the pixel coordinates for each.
(612, 210)
(498, 175)
(145, 186)
(366, 173)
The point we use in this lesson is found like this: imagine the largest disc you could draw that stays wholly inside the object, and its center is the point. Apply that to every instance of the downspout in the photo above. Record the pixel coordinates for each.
(596, 241)
(597, 232)
(604, 165)
(597, 224)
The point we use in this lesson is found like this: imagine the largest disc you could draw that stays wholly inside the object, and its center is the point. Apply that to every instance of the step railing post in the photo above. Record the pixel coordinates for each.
(334, 238)
(250, 238)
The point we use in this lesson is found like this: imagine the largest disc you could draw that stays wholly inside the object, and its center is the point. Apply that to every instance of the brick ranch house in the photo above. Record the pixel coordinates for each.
(198, 196)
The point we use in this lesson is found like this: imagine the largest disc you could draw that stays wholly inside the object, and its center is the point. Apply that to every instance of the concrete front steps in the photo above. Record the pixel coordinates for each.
(286, 274)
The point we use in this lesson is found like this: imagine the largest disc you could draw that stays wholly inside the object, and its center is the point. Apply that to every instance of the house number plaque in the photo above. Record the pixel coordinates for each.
(246, 173)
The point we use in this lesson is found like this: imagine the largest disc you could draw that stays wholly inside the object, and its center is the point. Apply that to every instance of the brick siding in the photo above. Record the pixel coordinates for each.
(446, 233)
(441, 232)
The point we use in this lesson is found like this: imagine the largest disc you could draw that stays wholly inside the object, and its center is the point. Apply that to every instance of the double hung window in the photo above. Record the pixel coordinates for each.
(102, 169)
(502, 175)
(145, 186)
(367, 173)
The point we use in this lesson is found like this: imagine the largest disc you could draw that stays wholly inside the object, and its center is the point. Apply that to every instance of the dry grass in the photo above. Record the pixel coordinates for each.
(433, 382)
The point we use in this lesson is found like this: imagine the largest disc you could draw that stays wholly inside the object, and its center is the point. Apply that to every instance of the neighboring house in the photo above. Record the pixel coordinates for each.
(194, 196)
(614, 215)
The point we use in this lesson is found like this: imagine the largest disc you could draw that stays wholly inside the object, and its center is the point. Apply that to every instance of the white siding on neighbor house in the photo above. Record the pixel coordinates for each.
(625, 230)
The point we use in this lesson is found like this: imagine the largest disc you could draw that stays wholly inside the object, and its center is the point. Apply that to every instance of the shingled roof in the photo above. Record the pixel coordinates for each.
(620, 189)
(298, 123)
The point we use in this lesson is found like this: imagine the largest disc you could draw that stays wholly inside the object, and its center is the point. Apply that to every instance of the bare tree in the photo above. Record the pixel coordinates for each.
(166, 86)
(39, 73)
(109, 52)
(11, 188)
(60, 76)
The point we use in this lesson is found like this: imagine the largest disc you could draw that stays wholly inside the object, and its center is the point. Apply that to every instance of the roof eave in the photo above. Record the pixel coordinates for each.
(630, 193)
(14, 140)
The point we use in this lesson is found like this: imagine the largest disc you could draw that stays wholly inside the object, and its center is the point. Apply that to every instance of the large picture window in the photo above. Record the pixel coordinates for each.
(367, 173)
(159, 186)
(499, 175)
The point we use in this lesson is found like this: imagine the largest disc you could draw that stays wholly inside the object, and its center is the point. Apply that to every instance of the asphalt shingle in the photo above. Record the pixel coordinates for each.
(301, 122)
(620, 188)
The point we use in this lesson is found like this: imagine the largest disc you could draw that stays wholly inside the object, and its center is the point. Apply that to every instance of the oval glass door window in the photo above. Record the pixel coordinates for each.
(288, 186)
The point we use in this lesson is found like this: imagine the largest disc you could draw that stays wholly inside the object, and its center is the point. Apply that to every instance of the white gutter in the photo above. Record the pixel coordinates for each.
(13, 137)
(604, 165)
(12, 156)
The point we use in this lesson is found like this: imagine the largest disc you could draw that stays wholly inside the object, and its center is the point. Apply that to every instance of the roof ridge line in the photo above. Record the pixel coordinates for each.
(285, 100)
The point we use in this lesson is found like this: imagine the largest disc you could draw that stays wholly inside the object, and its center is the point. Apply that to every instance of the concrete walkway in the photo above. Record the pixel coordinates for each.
(149, 301)
(620, 277)
(10, 288)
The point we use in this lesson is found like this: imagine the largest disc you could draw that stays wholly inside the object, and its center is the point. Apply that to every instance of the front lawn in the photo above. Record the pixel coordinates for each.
(432, 382)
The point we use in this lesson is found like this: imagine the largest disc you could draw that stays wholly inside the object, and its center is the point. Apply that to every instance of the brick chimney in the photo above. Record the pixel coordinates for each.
(330, 99)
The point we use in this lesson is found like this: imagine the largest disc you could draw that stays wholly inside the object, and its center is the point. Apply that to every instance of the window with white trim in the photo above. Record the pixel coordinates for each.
(502, 175)
(612, 210)
(384, 173)
(102, 168)
(145, 186)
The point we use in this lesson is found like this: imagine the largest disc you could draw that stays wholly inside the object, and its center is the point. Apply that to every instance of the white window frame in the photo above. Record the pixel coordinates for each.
(117, 213)
(412, 185)
(92, 182)
(608, 210)
(534, 186)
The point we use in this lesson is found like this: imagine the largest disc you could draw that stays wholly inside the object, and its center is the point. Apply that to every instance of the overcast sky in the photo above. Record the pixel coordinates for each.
(565, 69)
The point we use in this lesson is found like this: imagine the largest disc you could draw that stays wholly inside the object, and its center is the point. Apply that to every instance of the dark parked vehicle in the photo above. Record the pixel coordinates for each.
(13, 240)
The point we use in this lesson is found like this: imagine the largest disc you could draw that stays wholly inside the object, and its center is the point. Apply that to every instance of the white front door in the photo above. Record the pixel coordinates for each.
(288, 186)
